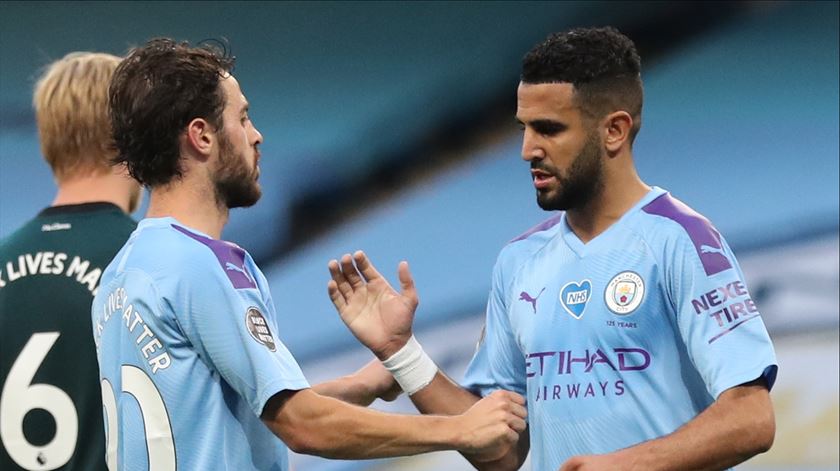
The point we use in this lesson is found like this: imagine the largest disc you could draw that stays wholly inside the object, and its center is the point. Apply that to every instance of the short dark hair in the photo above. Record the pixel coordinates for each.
(601, 63)
(155, 92)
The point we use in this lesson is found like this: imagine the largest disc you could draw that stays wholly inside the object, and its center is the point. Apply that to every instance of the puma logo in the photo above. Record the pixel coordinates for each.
(230, 266)
(710, 249)
(524, 296)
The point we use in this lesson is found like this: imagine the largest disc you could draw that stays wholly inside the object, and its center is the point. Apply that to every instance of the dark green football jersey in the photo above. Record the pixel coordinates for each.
(51, 406)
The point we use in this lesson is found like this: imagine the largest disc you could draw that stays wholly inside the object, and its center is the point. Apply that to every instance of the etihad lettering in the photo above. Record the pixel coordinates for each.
(565, 362)
(51, 263)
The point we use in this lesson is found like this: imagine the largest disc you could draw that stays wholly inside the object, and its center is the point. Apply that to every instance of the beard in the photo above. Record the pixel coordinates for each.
(235, 183)
(582, 182)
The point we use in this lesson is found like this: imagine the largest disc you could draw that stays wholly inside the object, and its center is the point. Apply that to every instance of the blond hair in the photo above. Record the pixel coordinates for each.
(71, 107)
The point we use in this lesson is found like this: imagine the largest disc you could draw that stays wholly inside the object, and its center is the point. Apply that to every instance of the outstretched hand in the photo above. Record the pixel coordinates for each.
(374, 312)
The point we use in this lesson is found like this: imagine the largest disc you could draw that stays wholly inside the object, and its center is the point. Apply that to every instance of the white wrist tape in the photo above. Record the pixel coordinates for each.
(411, 367)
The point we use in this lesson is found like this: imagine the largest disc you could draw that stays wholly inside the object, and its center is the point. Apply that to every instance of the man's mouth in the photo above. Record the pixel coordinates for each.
(542, 179)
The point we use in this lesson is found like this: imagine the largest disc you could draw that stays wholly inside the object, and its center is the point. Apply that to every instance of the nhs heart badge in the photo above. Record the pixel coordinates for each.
(574, 296)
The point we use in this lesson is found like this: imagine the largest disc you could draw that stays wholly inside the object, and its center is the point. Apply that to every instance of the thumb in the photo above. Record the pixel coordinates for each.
(407, 282)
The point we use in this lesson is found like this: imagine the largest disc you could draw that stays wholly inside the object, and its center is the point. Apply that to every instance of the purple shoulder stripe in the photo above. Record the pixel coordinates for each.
(705, 237)
(231, 258)
(543, 226)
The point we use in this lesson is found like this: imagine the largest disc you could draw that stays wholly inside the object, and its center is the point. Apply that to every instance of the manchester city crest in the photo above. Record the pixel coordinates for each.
(624, 293)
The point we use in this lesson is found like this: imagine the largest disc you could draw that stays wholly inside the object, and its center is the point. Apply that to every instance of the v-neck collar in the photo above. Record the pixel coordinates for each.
(581, 249)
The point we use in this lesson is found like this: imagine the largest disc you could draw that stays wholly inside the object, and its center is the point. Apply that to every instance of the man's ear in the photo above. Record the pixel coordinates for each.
(617, 126)
(200, 137)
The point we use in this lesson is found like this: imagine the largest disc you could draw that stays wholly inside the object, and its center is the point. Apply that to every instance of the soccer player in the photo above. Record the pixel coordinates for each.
(51, 406)
(194, 375)
(624, 319)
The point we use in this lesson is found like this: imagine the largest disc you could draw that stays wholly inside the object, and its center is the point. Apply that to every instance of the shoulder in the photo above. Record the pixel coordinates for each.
(17, 238)
(523, 246)
(224, 258)
(175, 251)
(672, 227)
(539, 233)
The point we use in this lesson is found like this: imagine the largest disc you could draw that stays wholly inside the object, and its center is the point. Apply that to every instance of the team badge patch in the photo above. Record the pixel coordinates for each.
(574, 296)
(624, 293)
(258, 327)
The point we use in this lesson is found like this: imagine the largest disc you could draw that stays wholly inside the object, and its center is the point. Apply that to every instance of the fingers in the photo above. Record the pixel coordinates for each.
(342, 285)
(514, 404)
(510, 396)
(370, 273)
(335, 295)
(519, 411)
(512, 436)
(350, 272)
(367, 269)
(518, 424)
(516, 398)
(354, 271)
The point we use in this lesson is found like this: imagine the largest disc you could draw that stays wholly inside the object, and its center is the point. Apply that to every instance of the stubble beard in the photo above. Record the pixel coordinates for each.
(582, 182)
(235, 183)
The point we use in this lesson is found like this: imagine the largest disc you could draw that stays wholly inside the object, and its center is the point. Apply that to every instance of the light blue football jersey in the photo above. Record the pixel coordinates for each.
(622, 339)
(186, 338)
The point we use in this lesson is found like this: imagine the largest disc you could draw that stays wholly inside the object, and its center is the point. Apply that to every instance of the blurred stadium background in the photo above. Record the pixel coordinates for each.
(389, 127)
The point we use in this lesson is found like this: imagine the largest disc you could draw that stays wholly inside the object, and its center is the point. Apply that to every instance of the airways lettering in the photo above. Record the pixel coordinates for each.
(574, 391)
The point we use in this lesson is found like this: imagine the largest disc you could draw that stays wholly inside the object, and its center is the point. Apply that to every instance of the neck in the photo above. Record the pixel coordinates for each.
(192, 205)
(621, 190)
(108, 188)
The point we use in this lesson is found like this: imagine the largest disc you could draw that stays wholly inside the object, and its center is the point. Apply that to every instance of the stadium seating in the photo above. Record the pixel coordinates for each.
(731, 126)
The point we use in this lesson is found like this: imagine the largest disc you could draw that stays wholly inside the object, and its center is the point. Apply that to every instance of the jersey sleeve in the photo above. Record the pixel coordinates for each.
(235, 331)
(498, 362)
(719, 322)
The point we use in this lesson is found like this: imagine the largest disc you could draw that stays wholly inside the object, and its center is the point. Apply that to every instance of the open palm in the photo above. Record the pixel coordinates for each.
(378, 316)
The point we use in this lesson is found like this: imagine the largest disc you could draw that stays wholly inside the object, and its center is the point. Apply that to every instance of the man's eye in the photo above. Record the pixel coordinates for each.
(548, 129)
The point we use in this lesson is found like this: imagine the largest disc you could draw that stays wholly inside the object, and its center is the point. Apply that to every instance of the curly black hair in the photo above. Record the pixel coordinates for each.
(601, 63)
(155, 92)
